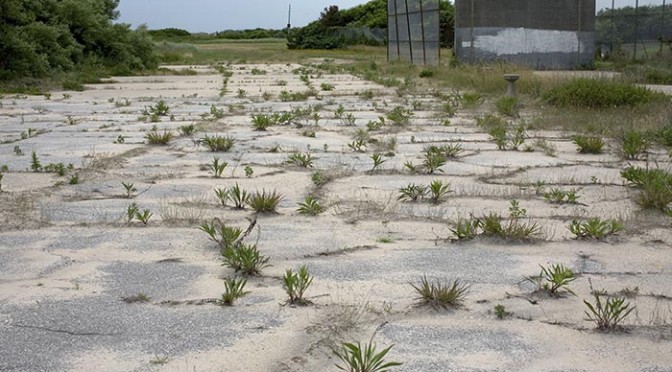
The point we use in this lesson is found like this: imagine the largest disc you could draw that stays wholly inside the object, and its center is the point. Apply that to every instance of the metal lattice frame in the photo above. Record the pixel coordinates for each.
(413, 31)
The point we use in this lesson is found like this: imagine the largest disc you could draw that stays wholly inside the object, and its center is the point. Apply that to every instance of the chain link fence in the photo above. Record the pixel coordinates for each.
(635, 29)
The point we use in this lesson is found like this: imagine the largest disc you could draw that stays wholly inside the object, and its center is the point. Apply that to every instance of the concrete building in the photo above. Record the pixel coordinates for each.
(543, 34)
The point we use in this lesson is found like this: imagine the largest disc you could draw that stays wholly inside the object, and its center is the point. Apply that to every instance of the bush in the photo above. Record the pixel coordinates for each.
(599, 94)
(40, 39)
(589, 145)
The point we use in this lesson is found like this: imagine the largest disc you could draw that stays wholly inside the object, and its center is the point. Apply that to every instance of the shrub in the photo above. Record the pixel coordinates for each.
(218, 143)
(358, 358)
(265, 202)
(589, 145)
(609, 314)
(296, 284)
(439, 295)
(598, 94)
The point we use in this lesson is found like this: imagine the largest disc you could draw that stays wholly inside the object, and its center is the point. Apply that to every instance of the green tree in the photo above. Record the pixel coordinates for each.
(39, 37)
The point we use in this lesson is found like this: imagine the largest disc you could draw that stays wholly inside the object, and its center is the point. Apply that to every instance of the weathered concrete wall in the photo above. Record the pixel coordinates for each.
(544, 34)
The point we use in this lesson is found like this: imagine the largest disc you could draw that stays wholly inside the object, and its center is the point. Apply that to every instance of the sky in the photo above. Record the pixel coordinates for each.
(217, 15)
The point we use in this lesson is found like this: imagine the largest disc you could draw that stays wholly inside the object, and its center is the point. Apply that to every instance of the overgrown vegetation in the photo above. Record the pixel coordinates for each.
(51, 37)
(599, 94)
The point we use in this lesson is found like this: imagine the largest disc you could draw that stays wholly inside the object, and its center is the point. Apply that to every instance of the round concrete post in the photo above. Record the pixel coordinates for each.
(511, 88)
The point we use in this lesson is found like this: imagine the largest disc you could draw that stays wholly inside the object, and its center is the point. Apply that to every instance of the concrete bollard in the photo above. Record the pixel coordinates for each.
(511, 88)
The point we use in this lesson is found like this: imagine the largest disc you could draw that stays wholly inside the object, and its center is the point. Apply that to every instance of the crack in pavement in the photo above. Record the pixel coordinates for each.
(63, 330)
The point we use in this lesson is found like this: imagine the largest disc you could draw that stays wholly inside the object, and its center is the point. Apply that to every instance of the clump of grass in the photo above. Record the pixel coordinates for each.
(153, 137)
(265, 201)
(438, 190)
(466, 229)
(412, 192)
(634, 143)
(440, 295)
(296, 284)
(471, 99)
(218, 143)
(513, 228)
(186, 130)
(595, 228)
(507, 106)
(655, 187)
(589, 144)
(224, 236)
(599, 94)
(161, 108)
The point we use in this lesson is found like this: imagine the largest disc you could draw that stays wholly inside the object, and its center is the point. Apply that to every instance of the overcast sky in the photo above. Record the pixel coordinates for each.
(217, 15)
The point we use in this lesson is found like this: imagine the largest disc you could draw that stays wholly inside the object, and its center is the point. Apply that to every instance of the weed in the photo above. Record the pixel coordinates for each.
(265, 202)
(245, 259)
(130, 189)
(400, 116)
(222, 195)
(609, 314)
(262, 122)
(296, 284)
(161, 108)
(377, 161)
(301, 159)
(438, 190)
(440, 295)
(634, 143)
(589, 144)
(655, 187)
(412, 192)
(327, 87)
(310, 207)
(74, 179)
(498, 134)
(358, 145)
(216, 113)
(249, 172)
(552, 279)
(224, 236)
(131, 211)
(257, 71)
(471, 99)
(35, 164)
(559, 196)
(515, 211)
(548, 148)
(594, 228)
(238, 196)
(500, 312)
(186, 130)
(18, 151)
(466, 229)
(507, 106)
(218, 143)
(242, 93)
(143, 216)
(140, 297)
(234, 289)
(217, 167)
(153, 137)
(363, 358)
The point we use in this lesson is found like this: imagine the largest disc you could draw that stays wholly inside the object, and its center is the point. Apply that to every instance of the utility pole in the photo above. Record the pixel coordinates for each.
(289, 18)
